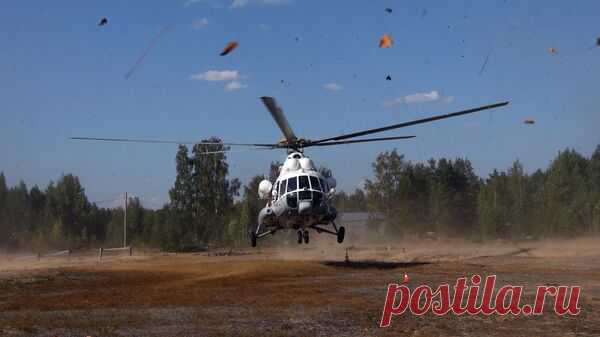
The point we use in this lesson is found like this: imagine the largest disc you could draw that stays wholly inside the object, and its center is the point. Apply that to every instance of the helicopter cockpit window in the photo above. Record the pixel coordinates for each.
(303, 182)
(314, 182)
(292, 184)
(317, 198)
(305, 195)
(292, 200)
(282, 186)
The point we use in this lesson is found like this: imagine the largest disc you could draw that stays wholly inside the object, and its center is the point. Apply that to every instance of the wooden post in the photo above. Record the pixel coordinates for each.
(100, 255)
(125, 223)
(130, 251)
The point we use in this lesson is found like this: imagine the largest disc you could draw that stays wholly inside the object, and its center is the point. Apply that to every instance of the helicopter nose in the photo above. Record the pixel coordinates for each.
(304, 207)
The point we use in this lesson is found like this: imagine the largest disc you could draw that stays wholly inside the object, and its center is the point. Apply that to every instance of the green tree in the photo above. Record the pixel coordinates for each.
(4, 232)
(181, 202)
(68, 205)
(567, 193)
(250, 206)
(274, 171)
(212, 190)
(135, 219)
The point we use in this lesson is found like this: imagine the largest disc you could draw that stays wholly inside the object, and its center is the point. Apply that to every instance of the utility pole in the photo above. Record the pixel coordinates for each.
(125, 223)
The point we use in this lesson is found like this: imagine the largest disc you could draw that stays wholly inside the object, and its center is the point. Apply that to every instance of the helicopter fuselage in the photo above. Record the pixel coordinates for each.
(299, 198)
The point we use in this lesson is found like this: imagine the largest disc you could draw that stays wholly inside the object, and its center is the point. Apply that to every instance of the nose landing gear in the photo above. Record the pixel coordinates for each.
(303, 236)
(341, 233)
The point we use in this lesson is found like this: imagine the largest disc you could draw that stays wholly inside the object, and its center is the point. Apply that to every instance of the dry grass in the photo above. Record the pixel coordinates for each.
(272, 294)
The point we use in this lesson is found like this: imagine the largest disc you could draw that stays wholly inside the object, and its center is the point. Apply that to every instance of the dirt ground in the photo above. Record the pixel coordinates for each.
(296, 291)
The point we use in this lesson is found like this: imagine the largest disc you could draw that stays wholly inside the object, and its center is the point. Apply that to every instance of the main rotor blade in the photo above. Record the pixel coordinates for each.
(235, 150)
(359, 141)
(279, 118)
(405, 124)
(153, 141)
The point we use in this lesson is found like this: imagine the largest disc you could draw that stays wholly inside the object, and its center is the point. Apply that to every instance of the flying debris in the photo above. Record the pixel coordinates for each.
(141, 58)
(389, 10)
(229, 47)
(388, 78)
(529, 121)
(485, 62)
(103, 22)
(386, 41)
(553, 51)
(598, 42)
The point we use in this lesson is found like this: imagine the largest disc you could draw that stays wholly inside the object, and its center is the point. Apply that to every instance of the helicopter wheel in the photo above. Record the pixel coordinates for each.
(341, 234)
(253, 239)
(299, 237)
(305, 236)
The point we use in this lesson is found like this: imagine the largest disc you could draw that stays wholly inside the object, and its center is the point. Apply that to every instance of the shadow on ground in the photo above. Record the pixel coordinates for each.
(372, 264)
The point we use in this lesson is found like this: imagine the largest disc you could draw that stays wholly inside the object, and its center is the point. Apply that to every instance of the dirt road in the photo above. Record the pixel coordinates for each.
(297, 291)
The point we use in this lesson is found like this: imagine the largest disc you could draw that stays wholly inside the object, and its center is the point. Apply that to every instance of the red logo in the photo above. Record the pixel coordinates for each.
(422, 299)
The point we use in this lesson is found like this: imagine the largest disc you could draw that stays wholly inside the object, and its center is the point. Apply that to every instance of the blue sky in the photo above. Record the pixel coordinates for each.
(61, 75)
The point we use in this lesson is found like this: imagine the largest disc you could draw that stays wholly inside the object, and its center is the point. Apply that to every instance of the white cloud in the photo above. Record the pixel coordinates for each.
(332, 86)
(421, 97)
(238, 3)
(191, 2)
(235, 85)
(275, 2)
(200, 23)
(448, 99)
(217, 75)
(244, 3)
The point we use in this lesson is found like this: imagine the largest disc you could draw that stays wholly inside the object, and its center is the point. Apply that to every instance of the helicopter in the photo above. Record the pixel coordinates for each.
(300, 198)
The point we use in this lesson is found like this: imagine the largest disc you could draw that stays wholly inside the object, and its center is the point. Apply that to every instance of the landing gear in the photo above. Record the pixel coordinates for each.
(305, 236)
(340, 234)
(256, 234)
(300, 236)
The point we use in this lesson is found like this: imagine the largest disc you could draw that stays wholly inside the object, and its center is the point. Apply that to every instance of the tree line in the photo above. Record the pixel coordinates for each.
(446, 197)
(208, 207)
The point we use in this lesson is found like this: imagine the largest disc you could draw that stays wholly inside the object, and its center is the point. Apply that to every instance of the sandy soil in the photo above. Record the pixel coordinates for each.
(296, 291)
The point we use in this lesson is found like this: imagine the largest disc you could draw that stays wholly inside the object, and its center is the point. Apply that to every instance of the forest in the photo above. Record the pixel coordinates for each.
(441, 197)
